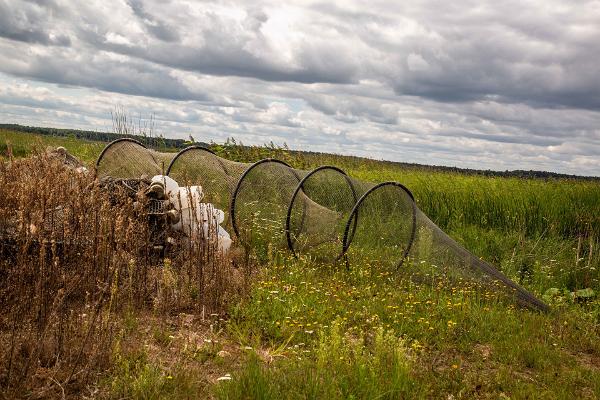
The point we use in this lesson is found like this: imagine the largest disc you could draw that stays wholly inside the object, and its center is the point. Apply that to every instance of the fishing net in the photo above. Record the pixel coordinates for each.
(318, 212)
(322, 214)
(381, 227)
(260, 202)
(218, 177)
(435, 252)
(129, 159)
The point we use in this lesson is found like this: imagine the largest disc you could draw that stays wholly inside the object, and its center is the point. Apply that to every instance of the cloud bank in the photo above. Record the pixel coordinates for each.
(500, 85)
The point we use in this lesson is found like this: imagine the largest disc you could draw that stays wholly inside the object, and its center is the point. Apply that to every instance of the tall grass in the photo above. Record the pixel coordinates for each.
(568, 208)
(561, 207)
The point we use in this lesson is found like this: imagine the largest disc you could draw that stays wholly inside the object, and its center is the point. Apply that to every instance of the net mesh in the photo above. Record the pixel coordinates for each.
(381, 227)
(322, 214)
(318, 213)
(129, 159)
(260, 203)
(440, 255)
(217, 176)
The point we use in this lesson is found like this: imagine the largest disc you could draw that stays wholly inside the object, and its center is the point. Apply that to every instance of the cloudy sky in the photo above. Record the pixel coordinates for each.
(499, 85)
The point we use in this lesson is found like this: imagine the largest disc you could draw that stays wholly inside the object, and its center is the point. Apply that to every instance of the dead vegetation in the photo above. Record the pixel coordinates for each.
(74, 259)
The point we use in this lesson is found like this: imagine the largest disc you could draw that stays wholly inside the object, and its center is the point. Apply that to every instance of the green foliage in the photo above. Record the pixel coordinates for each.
(564, 207)
(19, 144)
(342, 367)
(136, 377)
(334, 328)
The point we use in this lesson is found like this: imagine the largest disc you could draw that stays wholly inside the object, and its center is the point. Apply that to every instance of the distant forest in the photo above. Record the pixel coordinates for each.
(153, 141)
(162, 143)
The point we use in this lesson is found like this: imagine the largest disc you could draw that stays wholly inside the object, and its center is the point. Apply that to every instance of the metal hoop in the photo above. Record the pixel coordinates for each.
(195, 147)
(108, 146)
(347, 241)
(301, 187)
(239, 183)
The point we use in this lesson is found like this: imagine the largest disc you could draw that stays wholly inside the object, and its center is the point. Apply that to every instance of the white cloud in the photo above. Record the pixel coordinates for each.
(457, 83)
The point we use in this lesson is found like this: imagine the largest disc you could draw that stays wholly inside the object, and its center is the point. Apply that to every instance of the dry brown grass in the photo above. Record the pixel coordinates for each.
(73, 258)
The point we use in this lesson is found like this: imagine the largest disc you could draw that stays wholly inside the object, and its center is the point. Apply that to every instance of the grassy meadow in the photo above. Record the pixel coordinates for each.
(291, 328)
(24, 144)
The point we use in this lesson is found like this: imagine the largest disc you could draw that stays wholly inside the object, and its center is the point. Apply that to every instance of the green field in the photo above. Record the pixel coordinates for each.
(303, 330)
(23, 144)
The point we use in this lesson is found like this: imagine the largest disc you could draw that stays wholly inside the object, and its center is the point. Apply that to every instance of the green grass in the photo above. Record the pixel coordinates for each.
(564, 207)
(341, 368)
(308, 330)
(135, 376)
(23, 144)
(450, 339)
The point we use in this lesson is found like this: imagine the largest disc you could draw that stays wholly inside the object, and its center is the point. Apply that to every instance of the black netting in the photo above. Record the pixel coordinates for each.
(434, 253)
(260, 203)
(318, 213)
(129, 159)
(323, 214)
(217, 176)
(381, 227)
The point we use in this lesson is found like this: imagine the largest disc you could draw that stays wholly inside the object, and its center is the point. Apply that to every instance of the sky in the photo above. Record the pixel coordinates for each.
(474, 84)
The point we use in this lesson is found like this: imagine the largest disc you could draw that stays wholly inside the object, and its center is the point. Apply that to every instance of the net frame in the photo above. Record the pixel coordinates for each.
(199, 165)
(348, 237)
(154, 165)
(300, 188)
(195, 147)
(113, 143)
(234, 195)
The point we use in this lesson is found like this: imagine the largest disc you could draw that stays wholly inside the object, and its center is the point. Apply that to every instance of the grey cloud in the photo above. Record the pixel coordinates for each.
(155, 27)
(135, 78)
(223, 47)
(462, 55)
(51, 104)
(353, 109)
(222, 56)
(494, 59)
(27, 24)
(514, 139)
